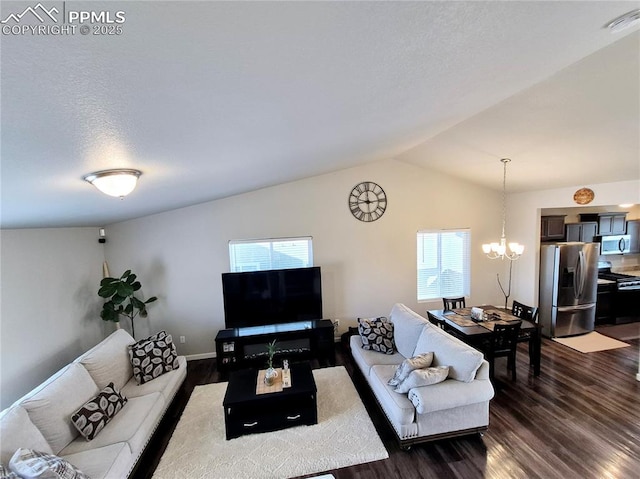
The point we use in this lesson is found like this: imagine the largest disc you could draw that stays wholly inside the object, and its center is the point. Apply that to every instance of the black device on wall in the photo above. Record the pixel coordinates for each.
(256, 298)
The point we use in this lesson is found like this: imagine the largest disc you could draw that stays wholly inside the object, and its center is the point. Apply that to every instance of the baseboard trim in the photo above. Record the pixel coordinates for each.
(195, 357)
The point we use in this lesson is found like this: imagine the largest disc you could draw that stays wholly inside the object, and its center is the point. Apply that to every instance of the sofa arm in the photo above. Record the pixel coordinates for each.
(450, 394)
(483, 370)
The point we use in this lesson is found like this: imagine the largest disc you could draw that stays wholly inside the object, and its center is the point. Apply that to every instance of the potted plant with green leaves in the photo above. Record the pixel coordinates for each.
(271, 373)
(121, 301)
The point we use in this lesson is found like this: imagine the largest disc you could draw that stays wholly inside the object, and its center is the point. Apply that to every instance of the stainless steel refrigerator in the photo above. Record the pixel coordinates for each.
(568, 288)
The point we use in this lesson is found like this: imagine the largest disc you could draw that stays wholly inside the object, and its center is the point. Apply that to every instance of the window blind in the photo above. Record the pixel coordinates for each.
(443, 259)
(263, 254)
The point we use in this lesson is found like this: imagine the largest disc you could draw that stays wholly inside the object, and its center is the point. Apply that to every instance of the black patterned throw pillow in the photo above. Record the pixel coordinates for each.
(171, 360)
(94, 415)
(376, 334)
(152, 357)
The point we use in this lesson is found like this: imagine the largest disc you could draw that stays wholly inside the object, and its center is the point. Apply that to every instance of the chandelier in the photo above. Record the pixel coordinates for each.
(499, 250)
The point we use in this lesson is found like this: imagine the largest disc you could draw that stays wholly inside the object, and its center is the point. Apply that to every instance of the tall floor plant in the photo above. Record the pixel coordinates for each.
(121, 301)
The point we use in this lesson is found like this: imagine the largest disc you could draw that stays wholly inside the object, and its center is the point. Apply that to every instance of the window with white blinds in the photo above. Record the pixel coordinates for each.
(262, 254)
(444, 264)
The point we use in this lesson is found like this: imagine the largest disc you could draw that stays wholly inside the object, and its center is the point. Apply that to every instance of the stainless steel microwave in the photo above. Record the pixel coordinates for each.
(617, 244)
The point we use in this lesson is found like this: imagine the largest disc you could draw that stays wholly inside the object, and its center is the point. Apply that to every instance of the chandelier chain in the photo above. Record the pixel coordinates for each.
(504, 195)
(503, 250)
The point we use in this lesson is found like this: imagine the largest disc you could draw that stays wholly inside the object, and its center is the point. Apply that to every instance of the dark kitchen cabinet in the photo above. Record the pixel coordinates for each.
(633, 230)
(612, 225)
(552, 228)
(608, 223)
(604, 305)
(582, 231)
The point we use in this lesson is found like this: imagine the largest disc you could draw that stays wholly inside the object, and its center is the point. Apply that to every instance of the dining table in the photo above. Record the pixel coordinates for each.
(476, 332)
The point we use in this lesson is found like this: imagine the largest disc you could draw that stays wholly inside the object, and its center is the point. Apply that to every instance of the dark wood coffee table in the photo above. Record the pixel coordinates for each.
(246, 412)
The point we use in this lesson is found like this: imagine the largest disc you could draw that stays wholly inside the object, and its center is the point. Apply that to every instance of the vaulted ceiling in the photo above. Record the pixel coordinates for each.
(211, 99)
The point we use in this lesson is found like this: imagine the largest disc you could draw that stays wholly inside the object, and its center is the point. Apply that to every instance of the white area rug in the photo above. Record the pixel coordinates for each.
(591, 342)
(344, 436)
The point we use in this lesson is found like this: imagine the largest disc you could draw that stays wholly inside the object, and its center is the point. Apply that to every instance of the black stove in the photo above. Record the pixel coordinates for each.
(624, 282)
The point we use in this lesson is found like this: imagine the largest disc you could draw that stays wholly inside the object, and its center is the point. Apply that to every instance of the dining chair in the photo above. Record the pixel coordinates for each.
(522, 311)
(453, 303)
(503, 342)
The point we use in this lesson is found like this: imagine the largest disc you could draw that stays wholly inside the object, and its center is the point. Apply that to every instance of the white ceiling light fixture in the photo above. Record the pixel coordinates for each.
(117, 182)
(625, 21)
(499, 250)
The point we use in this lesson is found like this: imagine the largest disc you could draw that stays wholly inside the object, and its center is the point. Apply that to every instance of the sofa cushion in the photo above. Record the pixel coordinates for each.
(366, 359)
(30, 464)
(17, 430)
(407, 327)
(152, 357)
(109, 360)
(376, 334)
(51, 405)
(108, 462)
(134, 425)
(167, 384)
(462, 359)
(397, 407)
(94, 415)
(420, 361)
(423, 377)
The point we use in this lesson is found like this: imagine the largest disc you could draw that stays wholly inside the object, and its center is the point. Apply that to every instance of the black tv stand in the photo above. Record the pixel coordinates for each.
(238, 348)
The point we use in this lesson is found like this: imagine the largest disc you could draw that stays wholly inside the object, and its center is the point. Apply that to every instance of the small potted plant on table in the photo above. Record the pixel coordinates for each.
(271, 373)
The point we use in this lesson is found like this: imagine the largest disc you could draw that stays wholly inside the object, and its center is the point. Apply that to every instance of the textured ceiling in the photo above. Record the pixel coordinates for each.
(211, 99)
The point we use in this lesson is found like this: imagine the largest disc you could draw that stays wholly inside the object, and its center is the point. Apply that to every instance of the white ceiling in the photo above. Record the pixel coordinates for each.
(211, 99)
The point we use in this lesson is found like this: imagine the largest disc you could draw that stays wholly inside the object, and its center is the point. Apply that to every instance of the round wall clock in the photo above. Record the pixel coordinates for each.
(583, 196)
(367, 201)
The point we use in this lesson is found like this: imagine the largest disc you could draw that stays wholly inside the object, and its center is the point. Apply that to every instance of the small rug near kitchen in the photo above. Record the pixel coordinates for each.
(591, 342)
(344, 436)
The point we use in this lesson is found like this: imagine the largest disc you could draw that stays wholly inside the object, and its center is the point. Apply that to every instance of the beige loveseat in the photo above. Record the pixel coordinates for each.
(457, 406)
(41, 420)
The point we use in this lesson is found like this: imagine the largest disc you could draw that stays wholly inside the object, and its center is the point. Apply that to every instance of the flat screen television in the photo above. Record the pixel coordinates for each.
(258, 298)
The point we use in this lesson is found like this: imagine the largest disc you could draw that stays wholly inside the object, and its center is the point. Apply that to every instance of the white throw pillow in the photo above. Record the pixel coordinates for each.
(423, 377)
(420, 361)
(30, 464)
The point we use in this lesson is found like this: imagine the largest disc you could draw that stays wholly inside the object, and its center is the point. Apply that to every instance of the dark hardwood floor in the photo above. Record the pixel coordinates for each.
(579, 419)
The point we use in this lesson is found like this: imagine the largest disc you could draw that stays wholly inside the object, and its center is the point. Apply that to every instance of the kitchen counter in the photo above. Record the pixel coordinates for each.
(633, 270)
(605, 281)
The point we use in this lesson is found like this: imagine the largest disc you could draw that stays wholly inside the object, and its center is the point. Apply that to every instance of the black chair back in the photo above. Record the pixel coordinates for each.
(453, 303)
(504, 341)
(522, 311)
(505, 337)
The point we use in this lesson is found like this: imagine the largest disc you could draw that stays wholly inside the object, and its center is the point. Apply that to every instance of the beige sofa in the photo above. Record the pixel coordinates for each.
(457, 406)
(41, 419)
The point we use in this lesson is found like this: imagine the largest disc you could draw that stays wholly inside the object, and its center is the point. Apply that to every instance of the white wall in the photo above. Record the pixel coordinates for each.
(50, 306)
(366, 267)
